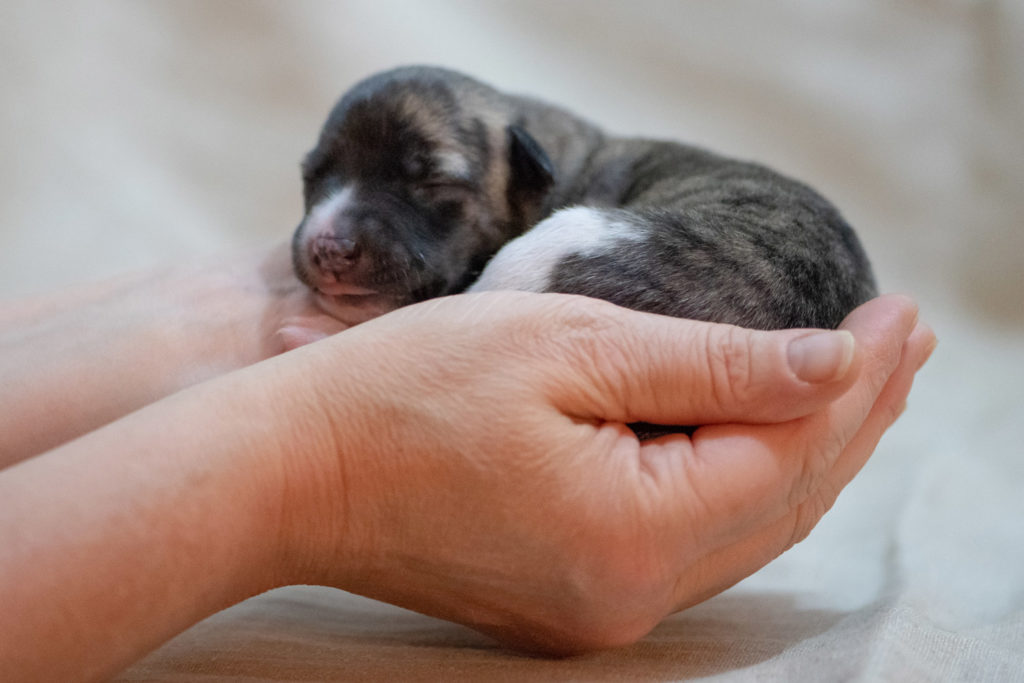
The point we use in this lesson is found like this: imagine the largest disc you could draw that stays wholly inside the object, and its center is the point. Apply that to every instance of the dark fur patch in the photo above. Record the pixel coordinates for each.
(723, 240)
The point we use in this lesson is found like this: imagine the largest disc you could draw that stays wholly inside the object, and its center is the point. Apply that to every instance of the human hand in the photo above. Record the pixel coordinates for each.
(477, 465)
(86, 355)
(257, 308)
(293, 317)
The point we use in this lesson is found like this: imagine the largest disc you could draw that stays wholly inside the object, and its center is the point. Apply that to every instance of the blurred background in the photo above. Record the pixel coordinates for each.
(135, 133)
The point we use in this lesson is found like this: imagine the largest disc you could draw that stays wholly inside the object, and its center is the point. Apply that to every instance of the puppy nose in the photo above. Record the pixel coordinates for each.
(334, 254)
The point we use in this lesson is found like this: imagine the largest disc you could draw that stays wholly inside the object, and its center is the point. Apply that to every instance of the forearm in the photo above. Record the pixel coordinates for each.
(74, 362)
(117, 541)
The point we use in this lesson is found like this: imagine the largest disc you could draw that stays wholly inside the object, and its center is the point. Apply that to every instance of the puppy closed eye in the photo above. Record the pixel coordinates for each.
(446, 199)
(438, 190)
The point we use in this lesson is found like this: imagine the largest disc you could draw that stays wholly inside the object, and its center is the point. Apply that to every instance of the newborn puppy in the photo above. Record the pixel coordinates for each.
(425, 182)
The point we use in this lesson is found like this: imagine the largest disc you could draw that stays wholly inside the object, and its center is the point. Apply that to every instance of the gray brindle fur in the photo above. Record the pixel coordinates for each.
(426, 182)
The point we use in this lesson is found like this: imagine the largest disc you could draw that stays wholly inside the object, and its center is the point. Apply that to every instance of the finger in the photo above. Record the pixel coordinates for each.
(298, 331)
(886, 410)
(642, 367)
(736, 560)
(745, 473)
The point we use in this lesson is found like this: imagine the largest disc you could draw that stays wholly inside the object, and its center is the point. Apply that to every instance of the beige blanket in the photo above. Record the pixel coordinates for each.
(139, 132)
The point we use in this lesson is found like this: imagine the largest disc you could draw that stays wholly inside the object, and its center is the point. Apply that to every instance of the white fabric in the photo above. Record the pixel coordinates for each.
(136, 133)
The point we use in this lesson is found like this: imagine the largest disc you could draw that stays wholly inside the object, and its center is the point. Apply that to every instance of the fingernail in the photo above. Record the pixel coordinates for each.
(821, 356)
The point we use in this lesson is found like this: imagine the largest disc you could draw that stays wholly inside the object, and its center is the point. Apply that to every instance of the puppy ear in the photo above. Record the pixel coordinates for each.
(531, 173)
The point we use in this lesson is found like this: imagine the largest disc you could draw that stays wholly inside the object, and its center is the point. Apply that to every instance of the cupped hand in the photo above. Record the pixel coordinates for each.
(478, 467)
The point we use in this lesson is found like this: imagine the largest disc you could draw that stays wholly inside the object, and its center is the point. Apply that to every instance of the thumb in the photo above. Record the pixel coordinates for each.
(670, 371)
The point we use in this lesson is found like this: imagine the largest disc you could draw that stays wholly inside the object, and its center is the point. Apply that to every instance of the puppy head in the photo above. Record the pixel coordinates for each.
(419, 176)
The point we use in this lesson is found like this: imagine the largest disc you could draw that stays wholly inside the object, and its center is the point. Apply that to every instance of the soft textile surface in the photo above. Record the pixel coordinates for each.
(137, 133)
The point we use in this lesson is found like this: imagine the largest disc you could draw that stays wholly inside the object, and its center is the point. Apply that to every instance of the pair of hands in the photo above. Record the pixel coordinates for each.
(472, 462)
(465, 457)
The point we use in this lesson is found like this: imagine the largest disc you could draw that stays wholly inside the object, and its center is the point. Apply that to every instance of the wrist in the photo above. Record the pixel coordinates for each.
(215, 315)
(178, 505)
(337, 477)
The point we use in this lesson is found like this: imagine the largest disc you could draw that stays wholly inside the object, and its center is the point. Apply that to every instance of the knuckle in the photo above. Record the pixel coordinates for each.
(595, 339)
(575, 326)
(729, 368)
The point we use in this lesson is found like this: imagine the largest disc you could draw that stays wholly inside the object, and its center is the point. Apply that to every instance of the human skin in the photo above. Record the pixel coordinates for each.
(77, 359)
(466, 457)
